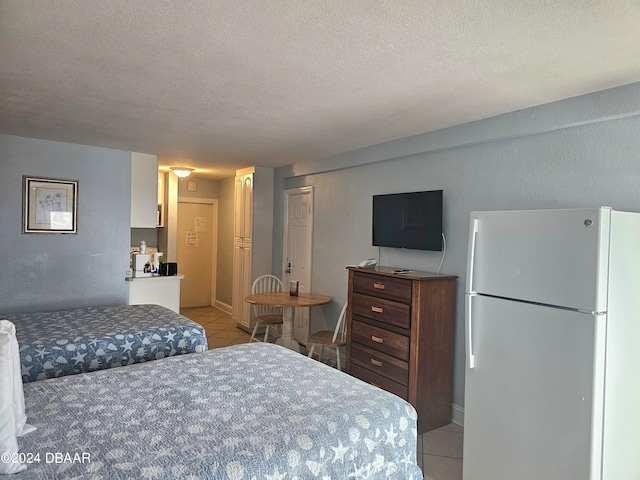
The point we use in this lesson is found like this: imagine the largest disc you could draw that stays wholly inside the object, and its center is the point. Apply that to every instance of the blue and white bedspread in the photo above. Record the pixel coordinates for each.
(53, 344)
(251, 411)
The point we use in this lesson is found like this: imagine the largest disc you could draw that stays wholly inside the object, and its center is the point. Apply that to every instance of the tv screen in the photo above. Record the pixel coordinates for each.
(408, 220)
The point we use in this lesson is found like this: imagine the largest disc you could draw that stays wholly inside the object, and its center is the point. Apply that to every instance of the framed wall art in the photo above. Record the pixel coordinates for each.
(50, 205)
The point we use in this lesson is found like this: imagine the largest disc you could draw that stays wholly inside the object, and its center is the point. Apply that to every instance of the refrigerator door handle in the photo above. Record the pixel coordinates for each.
(472, 254)
(469, 322)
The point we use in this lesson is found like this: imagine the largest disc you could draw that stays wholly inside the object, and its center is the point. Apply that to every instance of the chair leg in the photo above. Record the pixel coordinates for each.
(320, 354)
(255, 329)
(266, 333)
(338, 358)
(313, 345)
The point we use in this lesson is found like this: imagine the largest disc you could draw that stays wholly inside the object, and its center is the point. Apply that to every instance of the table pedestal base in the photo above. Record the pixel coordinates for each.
(287, 339)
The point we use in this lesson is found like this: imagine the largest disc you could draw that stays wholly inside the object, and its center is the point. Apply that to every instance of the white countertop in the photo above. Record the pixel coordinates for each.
(155, 277)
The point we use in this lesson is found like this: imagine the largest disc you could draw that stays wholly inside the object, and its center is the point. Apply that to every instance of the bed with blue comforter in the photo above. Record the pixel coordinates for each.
(54, 344)
(251, 411)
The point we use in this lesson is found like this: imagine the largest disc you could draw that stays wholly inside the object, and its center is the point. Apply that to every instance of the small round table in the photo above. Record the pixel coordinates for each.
(288, 304)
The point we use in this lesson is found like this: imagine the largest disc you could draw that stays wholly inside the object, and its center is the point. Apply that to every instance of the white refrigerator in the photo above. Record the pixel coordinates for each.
(552, 386)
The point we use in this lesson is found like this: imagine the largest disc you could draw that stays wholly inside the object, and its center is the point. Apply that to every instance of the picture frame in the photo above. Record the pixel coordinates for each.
(50, 205)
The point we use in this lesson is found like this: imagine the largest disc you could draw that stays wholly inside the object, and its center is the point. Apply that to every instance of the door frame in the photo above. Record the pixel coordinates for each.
(285, 236)
(214, 244)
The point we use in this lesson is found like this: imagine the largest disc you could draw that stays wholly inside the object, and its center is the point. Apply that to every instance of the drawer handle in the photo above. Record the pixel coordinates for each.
(377, 363)
(377, 309)
(379, 286)
(377, 339)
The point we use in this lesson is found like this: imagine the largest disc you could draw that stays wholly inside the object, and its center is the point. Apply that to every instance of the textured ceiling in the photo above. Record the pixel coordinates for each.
(220, 85)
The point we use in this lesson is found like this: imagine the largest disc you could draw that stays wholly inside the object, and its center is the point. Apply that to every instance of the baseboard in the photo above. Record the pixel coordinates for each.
(224, 307)
(458, 415)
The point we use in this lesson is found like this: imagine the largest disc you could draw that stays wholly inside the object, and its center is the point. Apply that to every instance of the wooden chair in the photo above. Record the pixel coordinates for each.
(332, 339)
(266, 316)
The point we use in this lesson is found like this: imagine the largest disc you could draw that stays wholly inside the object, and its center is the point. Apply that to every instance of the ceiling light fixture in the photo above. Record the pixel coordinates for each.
(181, 171)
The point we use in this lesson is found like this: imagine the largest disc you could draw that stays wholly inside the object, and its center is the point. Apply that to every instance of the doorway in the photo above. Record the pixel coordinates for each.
(196, 250)
(298, 236)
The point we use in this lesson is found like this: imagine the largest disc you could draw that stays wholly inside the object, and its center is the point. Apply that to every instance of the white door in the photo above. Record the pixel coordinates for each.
(196, 253)
(297, 254)
(529, 397)
(552, 257)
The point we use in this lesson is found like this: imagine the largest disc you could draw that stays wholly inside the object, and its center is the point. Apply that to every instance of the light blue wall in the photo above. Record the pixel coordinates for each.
(55, 271)
(581, 152)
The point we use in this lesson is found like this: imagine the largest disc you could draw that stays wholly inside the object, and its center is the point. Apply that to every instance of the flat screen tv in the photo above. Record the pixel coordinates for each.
(408, 220)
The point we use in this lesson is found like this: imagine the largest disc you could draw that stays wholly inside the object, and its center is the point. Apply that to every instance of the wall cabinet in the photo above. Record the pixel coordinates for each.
(252, 238)
(144, 190)
(400, 337)
(243, 201)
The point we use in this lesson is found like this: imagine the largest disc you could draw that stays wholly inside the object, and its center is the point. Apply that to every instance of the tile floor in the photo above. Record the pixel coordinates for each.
(221, 329)
(439, 451)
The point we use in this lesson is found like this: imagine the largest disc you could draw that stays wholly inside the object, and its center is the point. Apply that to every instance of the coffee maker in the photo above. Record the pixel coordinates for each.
(141, 265)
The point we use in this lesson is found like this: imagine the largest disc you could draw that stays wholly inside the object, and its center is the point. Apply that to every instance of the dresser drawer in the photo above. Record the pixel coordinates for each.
(385, 311)
(396, 289)
(380, 363)
(380, 339)
(380, 381)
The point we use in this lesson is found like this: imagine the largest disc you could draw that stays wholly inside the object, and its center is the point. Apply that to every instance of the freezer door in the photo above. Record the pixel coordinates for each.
(529, 399)
(553, 257)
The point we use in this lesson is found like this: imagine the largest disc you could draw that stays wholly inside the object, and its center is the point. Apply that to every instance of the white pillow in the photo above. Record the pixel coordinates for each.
(20, 416)
(13, 465)
(12, 412)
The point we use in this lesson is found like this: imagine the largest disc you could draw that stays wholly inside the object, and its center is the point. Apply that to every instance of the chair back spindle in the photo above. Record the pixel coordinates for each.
(264, 284)
(265, 315)
(340, 333)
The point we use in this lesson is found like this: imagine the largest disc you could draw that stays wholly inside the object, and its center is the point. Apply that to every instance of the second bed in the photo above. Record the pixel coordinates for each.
(54, 344)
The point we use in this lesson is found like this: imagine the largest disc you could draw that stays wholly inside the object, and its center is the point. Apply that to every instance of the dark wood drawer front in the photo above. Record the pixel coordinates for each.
(380, 381)
(378, 362)
(385, 311)
(397, 289)
(381, 340)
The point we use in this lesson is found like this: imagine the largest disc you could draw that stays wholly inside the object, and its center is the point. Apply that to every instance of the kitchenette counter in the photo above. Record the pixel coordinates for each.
(155, 277)
(158, 290)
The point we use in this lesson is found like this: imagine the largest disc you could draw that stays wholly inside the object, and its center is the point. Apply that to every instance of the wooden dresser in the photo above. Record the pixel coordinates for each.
(400, 337)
